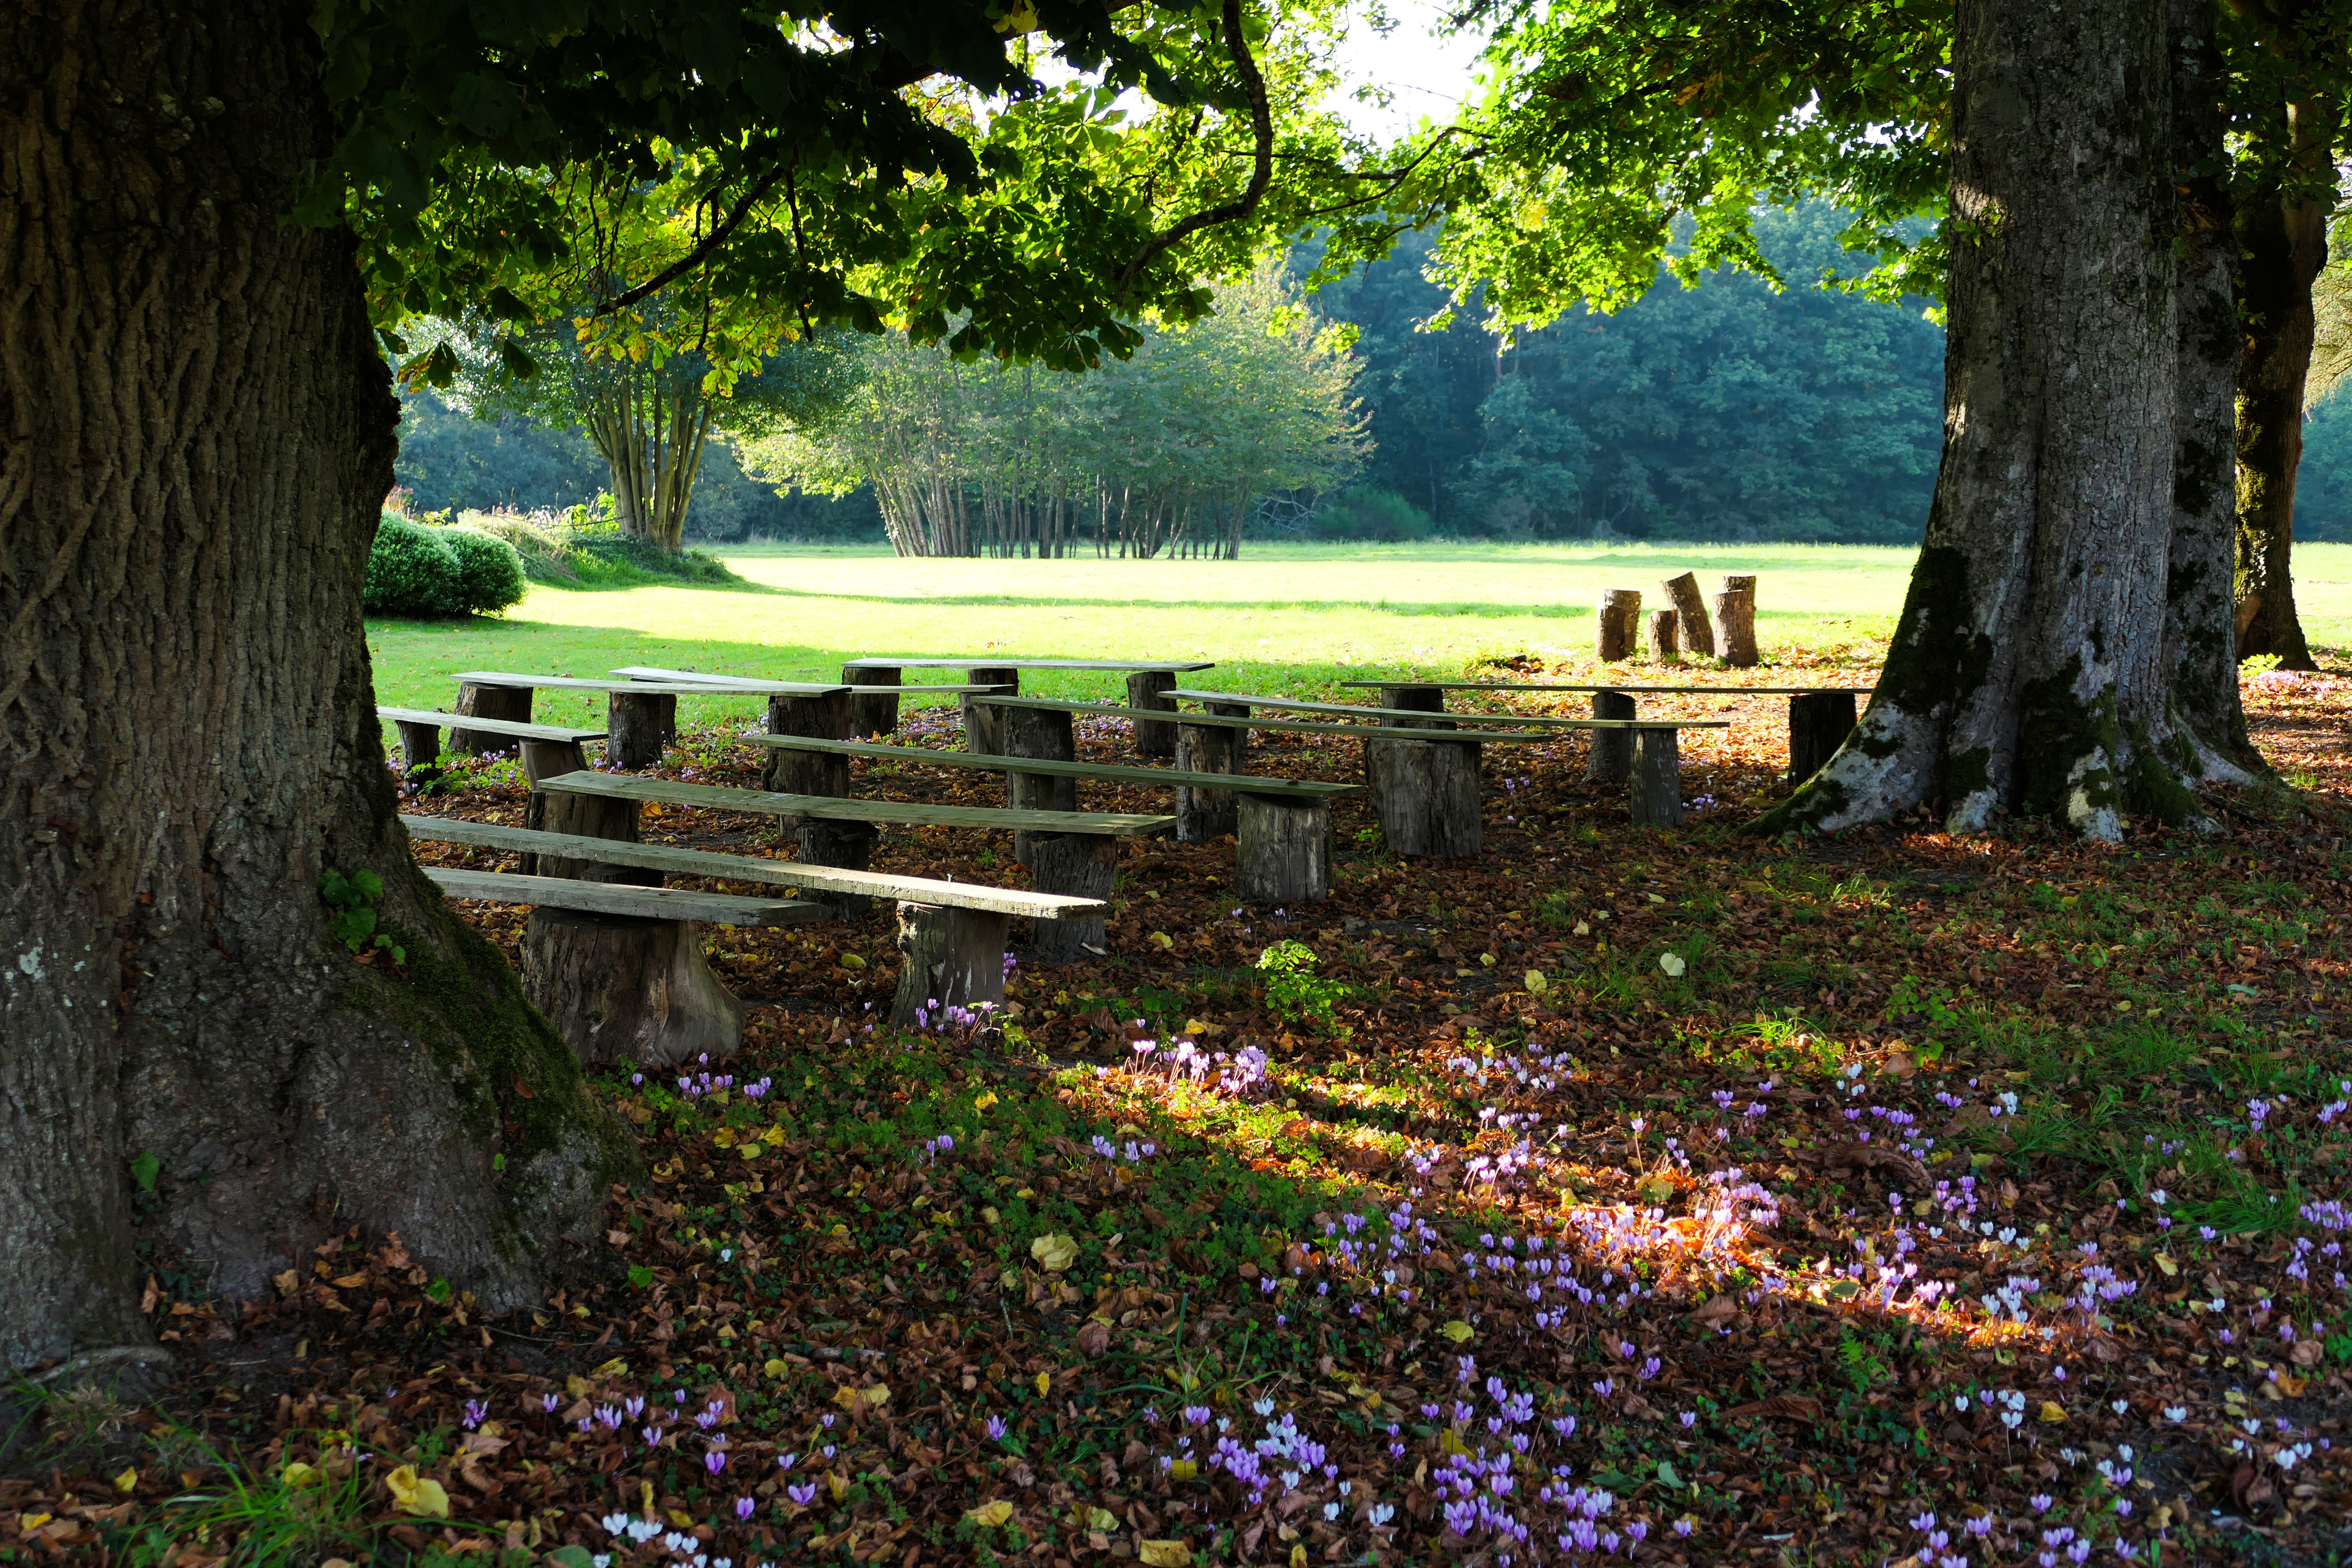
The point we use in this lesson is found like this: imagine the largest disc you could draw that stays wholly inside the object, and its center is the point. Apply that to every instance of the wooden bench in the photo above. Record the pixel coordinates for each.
(547, 749)
(640, 716)
(829, 714)
(605, 982)
(1272, 866)
(1078, 870)
(1148, 681)
(1820, 717)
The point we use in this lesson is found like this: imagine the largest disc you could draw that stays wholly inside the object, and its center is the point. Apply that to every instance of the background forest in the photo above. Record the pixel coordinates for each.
(1728, 412)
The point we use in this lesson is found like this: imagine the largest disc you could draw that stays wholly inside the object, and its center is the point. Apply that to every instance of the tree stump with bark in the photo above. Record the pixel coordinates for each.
(871, 715)
(1612, 760)
(1426, 795)
(624, 988)
(1819, 722)
(1664, 646)
(636, 728)
(1083, 865)
(1735, 613)
(1619, 624)
(1046, 734)
(983, 725)
(1204, 814)
(1285, 849)
(586, 817)
(950, 958)
(1655, 797)
(823, 717)
(420, 751)
(1690, 609)
(512, 703)
(1418, 699)
(1148, 689)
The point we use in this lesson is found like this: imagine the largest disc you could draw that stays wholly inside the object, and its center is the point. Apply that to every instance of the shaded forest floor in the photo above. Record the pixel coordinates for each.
(1683, 1198)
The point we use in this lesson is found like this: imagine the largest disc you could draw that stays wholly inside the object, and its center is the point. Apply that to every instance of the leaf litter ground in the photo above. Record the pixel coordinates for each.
(1679, 1198)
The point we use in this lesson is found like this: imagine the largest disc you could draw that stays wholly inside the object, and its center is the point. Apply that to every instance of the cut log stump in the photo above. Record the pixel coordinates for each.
(1618, 626)
(1663, 643)
(488, 702)
(952, 958)
(1426, 793)
(1735, 613)
(590, 817)
(1819, 722)
(623, 988)
(983, 726)
(1046, 734)
(1655, 797)
(1612, 750)
(1203, 814)
(1081, 865)
(1148, 689)
(871, 715)
(636, 728)
(848, 845)
(1285, 849)
(820, 717)
(420, 751)
(1690, 609)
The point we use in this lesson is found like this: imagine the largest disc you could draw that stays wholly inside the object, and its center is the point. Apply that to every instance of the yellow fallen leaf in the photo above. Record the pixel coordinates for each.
(1101, 1519)
(851, 961)
(837, 1484)
(1299, 1555)
(850, 1398)
(1184, 1471)
(575, 1385)
(773, 1137)
(1195, 1025)
(752, 1150)
(1165, 1554)
(1054, 1254)
(724, 1137)
(681, 1519)
(616, 1367)
(297, 1474)
(1536, 982)
(1160, 939)
(1457, 1330)
(1673, 963)
(989, 1515)
(417, 1495)
(775, 1368)
(2164, 1261)
(128, 1480)
(985, 1100)
(988, 1213)
(1045, 1383)
(2050, 1413)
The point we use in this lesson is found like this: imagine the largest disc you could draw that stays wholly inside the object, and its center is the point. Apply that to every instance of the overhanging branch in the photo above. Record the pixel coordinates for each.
(1261, 174)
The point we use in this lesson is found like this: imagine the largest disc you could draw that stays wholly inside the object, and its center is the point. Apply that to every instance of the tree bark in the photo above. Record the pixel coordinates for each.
(1426, 793)
(1690, 609)
(510, 703)
(199, 432)
(871, 715)
(2027, 668)
(1735, 609)
(1655, 792)
(623, 988)
(1047, 735)
(1083, 865)
(950, 958)
(1618, 625)
(1285, 856)
(1664, 646)
(1610, 760)
(635, 728)
(1147, 688)
(982, 723)
(2283, 240)
(1204, 814)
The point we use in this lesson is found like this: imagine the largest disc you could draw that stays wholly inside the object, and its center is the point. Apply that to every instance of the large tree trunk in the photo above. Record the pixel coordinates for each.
(198, 432)
(2282, 233)
(2027, 670)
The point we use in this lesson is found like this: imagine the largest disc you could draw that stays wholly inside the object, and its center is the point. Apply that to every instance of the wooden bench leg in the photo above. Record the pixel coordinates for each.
(507, 702)
(589, 816)
(1285, 849)
(825, 718)
(983, 726)
(1612, 750)
(1819, 722)
(623, 988)
(1203, 814)
(636, 728)
(1656, 790)
(1082, 865)
(420, 751)
(1047, 735)
(952, 958)
(871, 715)
(1426, 793)
(1148, 689)
(1419, 700)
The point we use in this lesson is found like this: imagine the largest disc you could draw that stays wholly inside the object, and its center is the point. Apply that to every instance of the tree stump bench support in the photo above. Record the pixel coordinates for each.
(1146, 691)
(871, 715)
(950, 958)
(1047, 735)
(983, 726)
(1285, 848)
(1077, 865)
(1425, 793)
(1203, 813)
(818, 841)
(1612, 760)
(543, 746)
(640, 723)
(1735, 612)
(420, 751)
(1819, 723)
(475, 700)
(1655, 789)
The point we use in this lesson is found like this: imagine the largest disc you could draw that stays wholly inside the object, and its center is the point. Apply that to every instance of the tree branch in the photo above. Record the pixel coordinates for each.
(702, 250)
(1261, 174)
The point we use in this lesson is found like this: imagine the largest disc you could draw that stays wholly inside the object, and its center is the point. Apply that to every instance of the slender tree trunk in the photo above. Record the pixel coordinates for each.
(2283, 232)
(2026, 669)
(198, 431)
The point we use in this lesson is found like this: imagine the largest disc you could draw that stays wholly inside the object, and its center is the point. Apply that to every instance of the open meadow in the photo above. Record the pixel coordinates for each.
(1617, 1194)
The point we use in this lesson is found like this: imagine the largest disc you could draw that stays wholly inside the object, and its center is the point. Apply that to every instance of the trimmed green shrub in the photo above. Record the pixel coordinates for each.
(1367, 512)
(490, 571)
(411, 571)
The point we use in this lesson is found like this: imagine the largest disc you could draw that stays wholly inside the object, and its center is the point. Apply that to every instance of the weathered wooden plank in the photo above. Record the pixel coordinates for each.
(655, 675)
(904, 814)
(1586, 686)
(678, 862)
(1359, 731)
(1298, 705)
(441, 721)
(619, 899)
(1101, 773)
(907, 662)
(733, 686)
